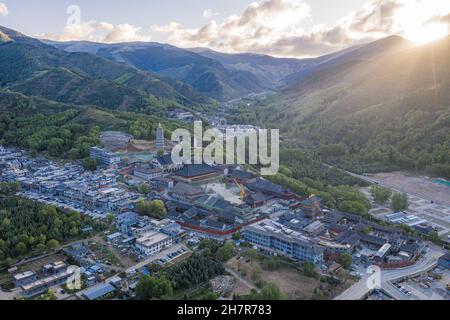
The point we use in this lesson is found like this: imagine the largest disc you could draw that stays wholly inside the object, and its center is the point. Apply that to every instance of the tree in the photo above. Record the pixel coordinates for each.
(144, 188)
(353, 207)
(346, 260)
(150, 288)
(400, 202)
(52, 244)
(226, 252)
(273, 264)
(433, 236)
(55, 147)
(236, 236)
(380, 194)
(90, 164)
(309, 270)
(21, 248)
(256, 273)
(155, 209)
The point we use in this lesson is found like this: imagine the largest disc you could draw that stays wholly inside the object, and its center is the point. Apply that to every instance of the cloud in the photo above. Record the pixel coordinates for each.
(442, 19)
(100, 32)
(277, 27)
(3, 9)
(258, 26)
(209, 14)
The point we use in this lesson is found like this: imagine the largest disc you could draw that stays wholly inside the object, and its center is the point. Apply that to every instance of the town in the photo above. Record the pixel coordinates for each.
(162, 214)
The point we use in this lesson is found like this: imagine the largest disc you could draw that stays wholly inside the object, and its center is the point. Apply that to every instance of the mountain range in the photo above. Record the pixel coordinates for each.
(387, 101)
(216, 75)
(34, 68)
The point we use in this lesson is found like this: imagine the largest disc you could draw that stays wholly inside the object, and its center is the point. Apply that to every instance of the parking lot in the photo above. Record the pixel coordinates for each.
(166, 255)
(429, 286)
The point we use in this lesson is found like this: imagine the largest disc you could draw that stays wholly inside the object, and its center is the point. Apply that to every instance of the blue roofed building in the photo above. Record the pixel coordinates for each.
(99, 291)
(126, 221)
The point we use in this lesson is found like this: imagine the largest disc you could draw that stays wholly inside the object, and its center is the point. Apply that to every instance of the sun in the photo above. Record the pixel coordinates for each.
(418, 20)
(426, 33)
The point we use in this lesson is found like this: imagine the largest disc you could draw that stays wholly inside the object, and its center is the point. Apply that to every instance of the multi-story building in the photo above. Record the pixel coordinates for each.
(274, 237)
(24, 278)
(104, 157)
(152, 243)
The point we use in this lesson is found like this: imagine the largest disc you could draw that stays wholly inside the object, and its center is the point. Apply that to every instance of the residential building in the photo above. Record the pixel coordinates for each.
(104, 157)
(42, 285)
(24, 278)
(148, 172)
(152, 243)
(276, 238)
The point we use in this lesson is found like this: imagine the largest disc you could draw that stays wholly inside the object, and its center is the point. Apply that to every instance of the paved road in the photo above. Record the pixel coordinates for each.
(360, 289)
(9, 295)
(158, 256)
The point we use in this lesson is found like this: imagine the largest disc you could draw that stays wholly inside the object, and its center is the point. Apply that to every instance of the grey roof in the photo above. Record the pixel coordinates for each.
(240, 174)
(213, 202)
(165, 160)
(266, 186)
(194, 170)
(185, 189)
(99, 291)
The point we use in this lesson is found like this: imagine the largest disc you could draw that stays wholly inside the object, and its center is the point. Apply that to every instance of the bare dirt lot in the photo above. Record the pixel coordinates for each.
(294, 284)
(418, 186)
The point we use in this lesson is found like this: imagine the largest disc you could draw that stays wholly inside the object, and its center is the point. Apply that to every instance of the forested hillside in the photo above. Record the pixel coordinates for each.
(389, 113)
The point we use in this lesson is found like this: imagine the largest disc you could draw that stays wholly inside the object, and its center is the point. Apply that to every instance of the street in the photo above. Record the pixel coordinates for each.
(360, 289)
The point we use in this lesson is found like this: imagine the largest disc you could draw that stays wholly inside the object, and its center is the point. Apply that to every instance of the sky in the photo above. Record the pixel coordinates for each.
(285, 28)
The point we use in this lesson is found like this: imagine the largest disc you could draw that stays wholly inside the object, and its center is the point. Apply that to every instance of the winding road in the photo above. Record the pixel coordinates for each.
(360, 289)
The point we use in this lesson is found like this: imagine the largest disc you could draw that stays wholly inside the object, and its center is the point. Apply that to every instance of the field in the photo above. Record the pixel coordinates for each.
(418, 186)
(292, 282)
(428, 200)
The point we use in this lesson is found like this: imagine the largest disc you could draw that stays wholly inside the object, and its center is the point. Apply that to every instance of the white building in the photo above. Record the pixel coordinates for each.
(152, 243)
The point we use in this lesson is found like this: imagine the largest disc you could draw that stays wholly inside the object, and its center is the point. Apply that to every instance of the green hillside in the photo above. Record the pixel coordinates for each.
(392, 112)
(33, 68)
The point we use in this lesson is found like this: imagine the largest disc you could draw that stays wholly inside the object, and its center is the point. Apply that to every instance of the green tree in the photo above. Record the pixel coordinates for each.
(52, 244)
(400, 202)
(309, 270)
(272, 264)
(144, 188)
(236, 236)
(90, 164)
(354, 207)
(150, 288)
(155, 209)
(380, 194)
(21, 248)
(226, 252)
(346, 260)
